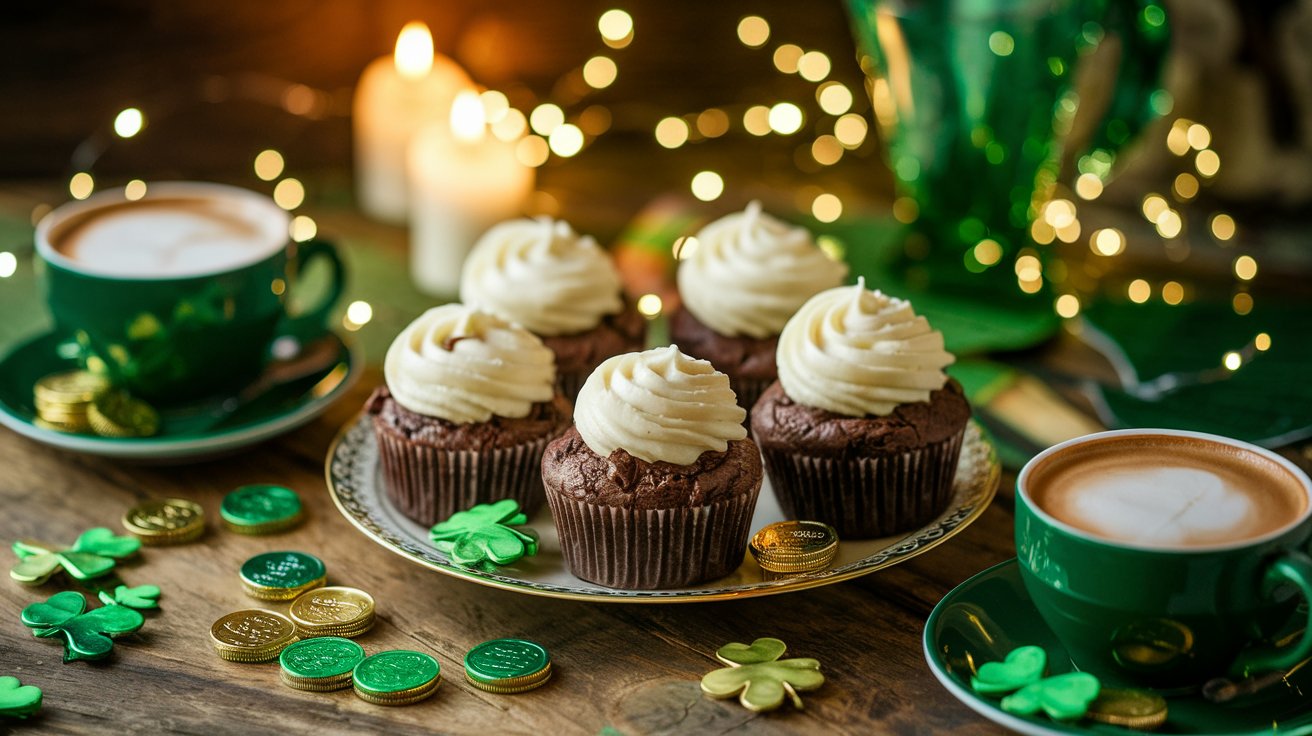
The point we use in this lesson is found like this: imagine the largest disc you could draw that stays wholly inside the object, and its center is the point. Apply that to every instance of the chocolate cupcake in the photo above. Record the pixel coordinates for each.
(558, 285)
(748, 274)
(655, 485)
(863, 429)
(470, 405)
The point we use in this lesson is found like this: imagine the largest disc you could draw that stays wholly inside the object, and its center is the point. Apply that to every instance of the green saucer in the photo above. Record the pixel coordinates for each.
(991, 614)
(198, 430)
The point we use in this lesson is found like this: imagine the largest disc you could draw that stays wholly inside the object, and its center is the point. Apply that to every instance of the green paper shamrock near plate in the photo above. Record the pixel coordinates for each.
(758, 676)
(990, 615)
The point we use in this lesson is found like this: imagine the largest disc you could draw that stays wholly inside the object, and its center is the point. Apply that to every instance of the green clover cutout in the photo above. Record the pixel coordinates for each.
(1022, 666)
(87, 634)
(142, 597)
(485, 536)
(759, 678)
(1063, 697)
(18, 701)
(91, 556)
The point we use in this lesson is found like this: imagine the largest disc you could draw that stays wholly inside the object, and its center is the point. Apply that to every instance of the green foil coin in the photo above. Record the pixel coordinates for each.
(282, 570)
(505, 660)
(395, 671)
(260, 509)
(316, 659)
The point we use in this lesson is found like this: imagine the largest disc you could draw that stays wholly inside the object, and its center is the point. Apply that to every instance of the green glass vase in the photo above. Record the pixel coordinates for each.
(974, 99)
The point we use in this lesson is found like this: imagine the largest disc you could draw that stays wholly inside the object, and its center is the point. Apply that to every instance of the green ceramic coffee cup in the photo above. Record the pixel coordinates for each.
(182, 293)
(1147, 598)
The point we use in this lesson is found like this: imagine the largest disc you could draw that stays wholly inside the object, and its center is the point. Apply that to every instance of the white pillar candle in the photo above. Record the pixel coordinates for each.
(462, 181)
(397, 95)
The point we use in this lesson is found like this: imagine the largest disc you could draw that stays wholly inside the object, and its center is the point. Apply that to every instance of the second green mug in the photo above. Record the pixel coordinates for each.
(1149, 610)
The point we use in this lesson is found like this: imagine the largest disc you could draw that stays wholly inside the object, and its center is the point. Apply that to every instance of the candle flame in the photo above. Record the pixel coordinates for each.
(467, 117)
(414, 51)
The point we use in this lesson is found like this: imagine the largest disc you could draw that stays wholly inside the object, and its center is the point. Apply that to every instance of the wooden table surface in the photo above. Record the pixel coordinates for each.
(632, 667)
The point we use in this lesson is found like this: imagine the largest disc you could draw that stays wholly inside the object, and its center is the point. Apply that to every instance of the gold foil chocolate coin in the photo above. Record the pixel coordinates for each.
(117, 414)
(252, 635)
(397, 677)
(62, 400)
(332, 611)
(1137, 709)
(165, 521)
(71, 387)
(795, 546)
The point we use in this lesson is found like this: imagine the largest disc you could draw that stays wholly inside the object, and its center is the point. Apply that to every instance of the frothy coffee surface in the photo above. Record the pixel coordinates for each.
(168, 236)
(1166, 491)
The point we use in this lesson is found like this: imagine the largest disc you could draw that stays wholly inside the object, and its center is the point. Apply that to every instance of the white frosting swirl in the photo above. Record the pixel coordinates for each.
(658, 405)
(858, 352)
(464, 365)
(750, 273)
(542, 275)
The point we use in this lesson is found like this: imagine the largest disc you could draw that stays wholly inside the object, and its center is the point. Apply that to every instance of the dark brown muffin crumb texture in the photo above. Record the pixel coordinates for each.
(544, 419)
(618, 333)
(571, 468)
(779, 422)
(738, 357)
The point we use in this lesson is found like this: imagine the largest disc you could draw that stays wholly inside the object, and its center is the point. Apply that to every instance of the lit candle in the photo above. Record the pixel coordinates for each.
(462, 181)
(397, 96)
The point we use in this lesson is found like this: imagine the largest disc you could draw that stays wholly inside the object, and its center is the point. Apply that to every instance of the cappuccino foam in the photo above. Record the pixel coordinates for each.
(1167, 491)
(170, 236)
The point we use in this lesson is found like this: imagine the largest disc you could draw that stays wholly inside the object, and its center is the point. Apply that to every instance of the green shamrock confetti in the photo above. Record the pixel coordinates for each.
(87, 634)
(759, 678)
(142, 597)
(1063, 697)
(1022, 666)
(18, 701)
(92, 555)
(485, 536)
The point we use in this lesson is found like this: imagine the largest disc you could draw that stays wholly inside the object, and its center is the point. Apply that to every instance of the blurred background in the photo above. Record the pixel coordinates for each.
(688, 110)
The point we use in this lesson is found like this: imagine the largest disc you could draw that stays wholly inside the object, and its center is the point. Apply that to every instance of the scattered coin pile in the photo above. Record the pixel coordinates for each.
(80, 402)
(314, 648)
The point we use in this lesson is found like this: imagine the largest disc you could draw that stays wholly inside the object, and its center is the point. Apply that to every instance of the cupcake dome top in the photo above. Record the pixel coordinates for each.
(859, 352)
(541, 274)
(464, 365)
(750, 272)
(658, 405)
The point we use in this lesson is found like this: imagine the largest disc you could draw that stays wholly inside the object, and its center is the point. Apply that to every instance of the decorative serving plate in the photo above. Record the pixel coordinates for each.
(356, 482)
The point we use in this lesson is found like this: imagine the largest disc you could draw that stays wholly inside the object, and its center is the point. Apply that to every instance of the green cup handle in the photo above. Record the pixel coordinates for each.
(313, 321)
(1291, 568)
(1145, 39)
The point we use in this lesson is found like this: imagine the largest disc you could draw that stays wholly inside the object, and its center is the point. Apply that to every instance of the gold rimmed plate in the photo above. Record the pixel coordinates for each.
(356, 483)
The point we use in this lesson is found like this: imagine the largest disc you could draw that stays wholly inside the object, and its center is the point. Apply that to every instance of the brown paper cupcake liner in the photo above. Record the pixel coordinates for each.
(570, 382)
(865, 498)
(429, 484)
(749, 390)
(645, 549)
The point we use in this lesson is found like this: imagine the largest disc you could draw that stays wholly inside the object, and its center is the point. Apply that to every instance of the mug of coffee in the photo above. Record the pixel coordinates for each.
(1167, 558)
(179, 294)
